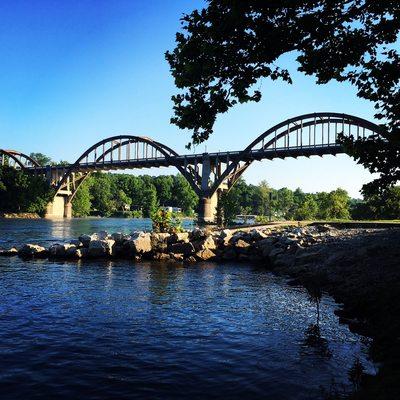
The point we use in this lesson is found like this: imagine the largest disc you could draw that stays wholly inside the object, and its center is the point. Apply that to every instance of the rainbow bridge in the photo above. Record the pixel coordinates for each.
(209, 174)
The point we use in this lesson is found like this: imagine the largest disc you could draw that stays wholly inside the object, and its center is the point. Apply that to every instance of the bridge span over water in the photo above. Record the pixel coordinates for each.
(209, 174)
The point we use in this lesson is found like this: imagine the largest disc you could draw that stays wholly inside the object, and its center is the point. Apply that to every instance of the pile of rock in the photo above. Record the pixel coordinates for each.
(197, 245)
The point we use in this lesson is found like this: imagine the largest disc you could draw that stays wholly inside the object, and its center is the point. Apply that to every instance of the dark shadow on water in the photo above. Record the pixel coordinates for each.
(315, 342)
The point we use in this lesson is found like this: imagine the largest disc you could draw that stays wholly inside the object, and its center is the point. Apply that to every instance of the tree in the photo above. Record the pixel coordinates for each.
(183, 195)
(82, 201)
(284, 202)
(101, 191)
(21, 192)
(149, 199)
(308, 209)
(122, 200)
(385, 206)
(41, 159)
(338, 205)
(261, 199)
(227, 47)
(164, 185)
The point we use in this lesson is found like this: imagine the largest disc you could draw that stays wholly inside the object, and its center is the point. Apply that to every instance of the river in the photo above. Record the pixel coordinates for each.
(115, 330)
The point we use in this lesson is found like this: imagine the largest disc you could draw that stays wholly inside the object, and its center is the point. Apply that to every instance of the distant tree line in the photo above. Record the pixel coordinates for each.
(128, 195)
(109, 194)
(286, 204)
(20, 192)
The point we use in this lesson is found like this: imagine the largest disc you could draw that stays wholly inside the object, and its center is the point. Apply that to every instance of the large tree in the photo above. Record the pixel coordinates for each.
(227, 47)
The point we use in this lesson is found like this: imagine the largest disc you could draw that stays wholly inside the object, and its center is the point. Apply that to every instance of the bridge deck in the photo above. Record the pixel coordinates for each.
(192, 159)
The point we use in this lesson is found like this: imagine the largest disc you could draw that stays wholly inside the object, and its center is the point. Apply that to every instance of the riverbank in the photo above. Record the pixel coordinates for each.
(358, 266)
(19, 216)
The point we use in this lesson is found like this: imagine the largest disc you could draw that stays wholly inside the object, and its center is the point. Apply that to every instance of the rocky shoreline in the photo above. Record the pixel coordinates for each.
(359, 267)
(20, 216)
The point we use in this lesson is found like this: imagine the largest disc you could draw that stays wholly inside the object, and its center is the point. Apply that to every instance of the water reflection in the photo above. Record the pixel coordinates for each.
(155, 330)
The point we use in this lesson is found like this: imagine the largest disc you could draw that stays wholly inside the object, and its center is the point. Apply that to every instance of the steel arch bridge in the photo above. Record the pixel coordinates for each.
(209, 173)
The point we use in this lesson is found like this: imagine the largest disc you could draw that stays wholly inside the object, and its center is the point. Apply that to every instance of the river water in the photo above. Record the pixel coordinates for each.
(116, 330)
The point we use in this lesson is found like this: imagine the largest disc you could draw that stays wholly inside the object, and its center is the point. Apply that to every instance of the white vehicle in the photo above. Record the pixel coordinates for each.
(245, 219)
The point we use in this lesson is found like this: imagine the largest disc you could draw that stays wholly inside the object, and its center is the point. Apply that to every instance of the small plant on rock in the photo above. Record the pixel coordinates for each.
(166, 222)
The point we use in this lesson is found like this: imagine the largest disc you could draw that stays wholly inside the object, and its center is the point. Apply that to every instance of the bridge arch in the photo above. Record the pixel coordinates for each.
(20, 160)
(304, 135)
(116, 152)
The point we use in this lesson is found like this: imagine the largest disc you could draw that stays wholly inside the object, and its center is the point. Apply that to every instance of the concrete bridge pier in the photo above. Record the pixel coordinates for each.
(60, 207)
(208, 209)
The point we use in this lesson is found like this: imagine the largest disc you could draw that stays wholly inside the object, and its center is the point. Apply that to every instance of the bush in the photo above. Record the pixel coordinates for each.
(165, 221)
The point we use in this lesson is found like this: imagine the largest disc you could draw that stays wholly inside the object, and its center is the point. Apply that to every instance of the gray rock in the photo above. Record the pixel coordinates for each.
(102, 235)
(205, 243)
(140, 243)
(178, 237)
(205, 254)
(60, 250)
(185, 248)
(85, 240)
(256, 235)
(197, 234)
(9, 253)
(74, 252)
(100, 248)
(229, 253)
(159, 241)
(32, 250)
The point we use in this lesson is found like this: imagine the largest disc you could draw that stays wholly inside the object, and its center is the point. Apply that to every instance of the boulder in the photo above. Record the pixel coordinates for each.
(119, 237)
(275, 253)
(86, 239)
(102, 235)
(32, 250)
(75, 242)
(197, 234)
(176, 257)
(140, 243)
(185, 248)
(161, 257)
(74, 252)
(178, 237)
(229, 254)
(205, 243)
(242, 246)
(265, 246)
(205, 254)
(60, 250)
(225, 236)
(100, 248)
(9, 253)
(256, 235)
(159, 241)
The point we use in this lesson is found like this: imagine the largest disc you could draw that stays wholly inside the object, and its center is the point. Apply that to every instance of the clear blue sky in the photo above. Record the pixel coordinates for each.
(74, 72)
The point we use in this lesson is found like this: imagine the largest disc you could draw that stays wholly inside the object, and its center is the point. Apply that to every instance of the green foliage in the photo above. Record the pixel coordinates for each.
(82, 201)
(150, 202)
(102, 192)
(41, 159)
(133, 196)
(282, 204)
(228, 46)
(165, 221)
(21, 192)
(183, 196)
(308, 209)
(384, 206)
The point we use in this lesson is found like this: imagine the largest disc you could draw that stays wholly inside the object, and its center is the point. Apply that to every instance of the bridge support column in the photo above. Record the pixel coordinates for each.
(208, 209)
(60, 207)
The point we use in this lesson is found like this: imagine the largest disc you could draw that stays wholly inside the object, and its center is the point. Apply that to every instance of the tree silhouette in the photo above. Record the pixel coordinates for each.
(225, 48)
